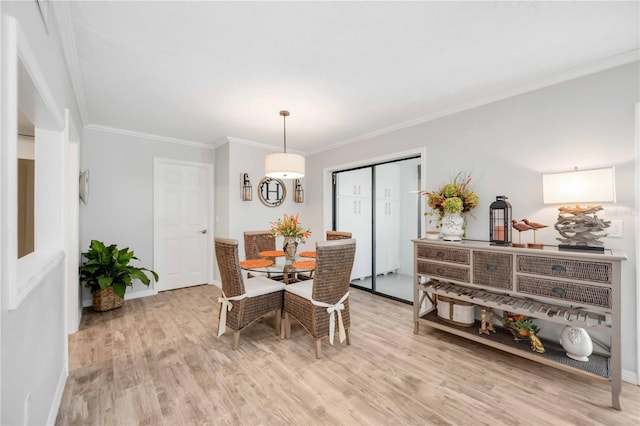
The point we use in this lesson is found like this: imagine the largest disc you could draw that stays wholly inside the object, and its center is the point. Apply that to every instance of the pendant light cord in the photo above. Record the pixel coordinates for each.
(284, 122)
(284, 115)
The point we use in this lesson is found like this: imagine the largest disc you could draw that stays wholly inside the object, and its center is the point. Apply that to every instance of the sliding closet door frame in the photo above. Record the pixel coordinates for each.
(334, 211)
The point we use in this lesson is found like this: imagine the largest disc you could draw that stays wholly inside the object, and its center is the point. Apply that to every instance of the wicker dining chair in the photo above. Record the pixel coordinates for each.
(338, 235)
(243, 301)
(321, 305)
(254, 243)
(331, 235)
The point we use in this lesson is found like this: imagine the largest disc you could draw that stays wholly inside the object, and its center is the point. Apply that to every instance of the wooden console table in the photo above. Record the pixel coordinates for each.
(581, 289)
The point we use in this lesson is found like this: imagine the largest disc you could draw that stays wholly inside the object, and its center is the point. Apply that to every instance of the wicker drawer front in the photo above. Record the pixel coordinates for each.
(597, 272)
(493, 269)
(445, 254)
(445, 271)
(584, 294)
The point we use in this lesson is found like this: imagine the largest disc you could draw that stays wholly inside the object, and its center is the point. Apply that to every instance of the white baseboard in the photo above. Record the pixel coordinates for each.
(630, 377)
(216, 283)
(138, 294)
(57, 397)
(87, 303)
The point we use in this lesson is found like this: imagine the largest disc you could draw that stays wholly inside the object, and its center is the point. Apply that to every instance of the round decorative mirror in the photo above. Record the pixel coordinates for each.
(272, 192)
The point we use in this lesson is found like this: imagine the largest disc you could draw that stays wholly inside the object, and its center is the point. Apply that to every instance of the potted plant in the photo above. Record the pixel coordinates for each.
(290, 229)
(107, 273)
(450, 203)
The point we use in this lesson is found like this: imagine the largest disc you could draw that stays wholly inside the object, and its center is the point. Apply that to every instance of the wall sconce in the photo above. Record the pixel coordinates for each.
(246, 187)
(579, 226)
(298, 193)
(500, 222)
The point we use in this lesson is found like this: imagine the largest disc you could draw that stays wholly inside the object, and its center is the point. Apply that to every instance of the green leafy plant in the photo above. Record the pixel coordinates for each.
(519, 324)
(453, 197)
(108, 266)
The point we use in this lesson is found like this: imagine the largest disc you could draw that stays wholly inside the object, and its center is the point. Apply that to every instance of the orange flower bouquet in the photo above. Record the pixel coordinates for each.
(289, 226)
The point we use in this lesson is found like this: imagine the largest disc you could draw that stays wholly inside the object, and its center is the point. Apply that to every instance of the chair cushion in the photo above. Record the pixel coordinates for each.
(257, 286)
(303, 289)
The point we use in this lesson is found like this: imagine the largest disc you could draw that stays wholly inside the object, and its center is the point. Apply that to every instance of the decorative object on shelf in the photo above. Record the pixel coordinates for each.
(450, 203)
(246, 188)
(523, 329)
(518, 226)
(433, 235)
(298, 192)
(284, 165)
(500, 222)
(452, 226)
(107, 273)
(535, 226)
(577, 343)
(486, 324)
(579, 227)
(456, 312)
(290, 229)
(536, 344)
(272, 192)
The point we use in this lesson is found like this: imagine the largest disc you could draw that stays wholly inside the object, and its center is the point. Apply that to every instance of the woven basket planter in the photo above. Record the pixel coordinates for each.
(105, 300)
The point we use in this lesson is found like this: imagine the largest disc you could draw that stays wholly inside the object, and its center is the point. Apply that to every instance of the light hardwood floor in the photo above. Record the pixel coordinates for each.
(157, 361)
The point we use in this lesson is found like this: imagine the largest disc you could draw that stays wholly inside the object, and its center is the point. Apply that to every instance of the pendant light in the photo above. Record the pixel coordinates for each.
(283, 165)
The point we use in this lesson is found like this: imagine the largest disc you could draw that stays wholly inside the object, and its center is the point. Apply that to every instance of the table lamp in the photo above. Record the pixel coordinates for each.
(579, 226)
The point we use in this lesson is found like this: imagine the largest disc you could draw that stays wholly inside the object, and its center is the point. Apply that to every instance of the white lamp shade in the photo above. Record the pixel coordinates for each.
(581, 186)
(284, 166)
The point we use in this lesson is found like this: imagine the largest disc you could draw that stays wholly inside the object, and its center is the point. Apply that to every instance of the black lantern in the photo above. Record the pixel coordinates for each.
(298, 192)
(500, 222)
(246, 187)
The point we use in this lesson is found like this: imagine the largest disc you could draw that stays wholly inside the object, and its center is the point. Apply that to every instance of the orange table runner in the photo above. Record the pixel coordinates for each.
(308, 254)
(305, 264)
(271, 253)
(255, 263)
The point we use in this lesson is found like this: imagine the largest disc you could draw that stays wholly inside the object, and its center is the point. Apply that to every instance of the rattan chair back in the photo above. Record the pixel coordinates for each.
(338, 235)
(229, 266)
(257, 241)
(334, 261)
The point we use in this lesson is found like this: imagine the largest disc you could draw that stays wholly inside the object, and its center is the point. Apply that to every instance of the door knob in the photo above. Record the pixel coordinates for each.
(204, 231)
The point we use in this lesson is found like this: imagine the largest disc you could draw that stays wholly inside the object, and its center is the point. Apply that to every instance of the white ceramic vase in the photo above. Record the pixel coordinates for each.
(577, 343)
(452, 226)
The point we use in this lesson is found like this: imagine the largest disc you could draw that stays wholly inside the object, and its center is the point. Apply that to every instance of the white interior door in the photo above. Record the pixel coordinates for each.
(183, 234)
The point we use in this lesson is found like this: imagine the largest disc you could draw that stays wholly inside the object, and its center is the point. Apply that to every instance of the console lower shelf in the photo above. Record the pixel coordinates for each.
(598, 366)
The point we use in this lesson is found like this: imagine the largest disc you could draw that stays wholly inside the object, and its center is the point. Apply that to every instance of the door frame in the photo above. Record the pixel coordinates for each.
(157, 162)
(328, 191)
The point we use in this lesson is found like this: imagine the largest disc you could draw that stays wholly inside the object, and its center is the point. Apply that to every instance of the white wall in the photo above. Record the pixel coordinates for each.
(506, 145)
(33, 363)
(120, 207)
(253, 215)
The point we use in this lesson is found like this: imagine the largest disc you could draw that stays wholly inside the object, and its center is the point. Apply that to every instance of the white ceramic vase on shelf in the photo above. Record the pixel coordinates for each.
(577, 343)
(452, 226)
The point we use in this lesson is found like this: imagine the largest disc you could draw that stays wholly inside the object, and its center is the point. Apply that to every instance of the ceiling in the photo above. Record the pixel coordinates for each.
(202, 71)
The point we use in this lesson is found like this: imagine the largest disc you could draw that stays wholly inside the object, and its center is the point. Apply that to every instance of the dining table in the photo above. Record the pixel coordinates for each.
(274, 264)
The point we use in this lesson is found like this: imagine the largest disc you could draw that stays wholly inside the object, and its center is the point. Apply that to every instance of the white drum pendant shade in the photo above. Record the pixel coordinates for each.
(284, 166)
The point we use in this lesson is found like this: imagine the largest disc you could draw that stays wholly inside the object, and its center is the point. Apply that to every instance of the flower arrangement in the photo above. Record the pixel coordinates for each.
(519, 325)
(289, 226)
(453, 197)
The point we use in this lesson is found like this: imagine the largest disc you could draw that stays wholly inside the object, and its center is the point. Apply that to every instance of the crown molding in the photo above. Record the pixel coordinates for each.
(116, 131)
(592, 68)
(62, 16)
(231, 139)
